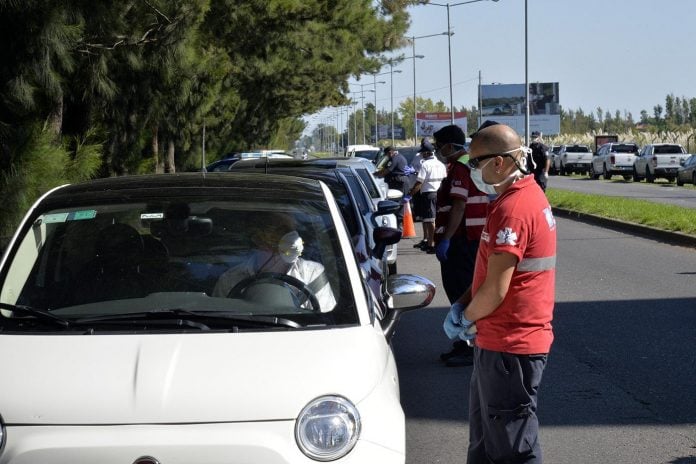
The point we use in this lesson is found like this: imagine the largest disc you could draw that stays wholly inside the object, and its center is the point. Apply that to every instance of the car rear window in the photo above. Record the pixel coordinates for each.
(624, 148)
(665, 149)
(578, 149)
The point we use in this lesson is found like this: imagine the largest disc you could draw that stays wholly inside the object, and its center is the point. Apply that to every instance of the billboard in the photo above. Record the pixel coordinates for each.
(428, 123)
(384, 132)
(504, 103)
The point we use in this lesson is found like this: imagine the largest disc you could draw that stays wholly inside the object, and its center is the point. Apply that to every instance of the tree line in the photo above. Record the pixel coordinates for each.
(100, 88)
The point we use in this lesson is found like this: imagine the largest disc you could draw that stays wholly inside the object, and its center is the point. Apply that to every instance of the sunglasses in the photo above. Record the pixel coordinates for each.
(475, 162)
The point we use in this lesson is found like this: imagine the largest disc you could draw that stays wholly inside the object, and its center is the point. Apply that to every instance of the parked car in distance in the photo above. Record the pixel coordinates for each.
(614, 159)
(686, 174)
(123, 351)
(378, 191)
(659, 160)
(552, 154)
(224, 164)
(364, 151)
(573, 159)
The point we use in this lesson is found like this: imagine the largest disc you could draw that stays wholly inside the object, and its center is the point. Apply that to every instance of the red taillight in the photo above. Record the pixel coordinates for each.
(612, 159)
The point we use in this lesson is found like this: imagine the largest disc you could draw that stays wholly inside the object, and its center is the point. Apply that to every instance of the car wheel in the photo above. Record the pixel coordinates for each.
(636, 177)
(693, 178)
(649, 177)
(679, 181)
(593, 175)
(392, 268)
(606, 173)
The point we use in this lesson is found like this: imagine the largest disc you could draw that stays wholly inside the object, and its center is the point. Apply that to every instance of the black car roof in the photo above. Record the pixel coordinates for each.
(194, 183)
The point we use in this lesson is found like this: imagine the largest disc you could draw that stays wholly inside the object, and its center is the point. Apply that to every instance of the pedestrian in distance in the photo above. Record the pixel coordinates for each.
(510, 303)
(540, 160)
(431, 174)
(394, 174)
(460, 216)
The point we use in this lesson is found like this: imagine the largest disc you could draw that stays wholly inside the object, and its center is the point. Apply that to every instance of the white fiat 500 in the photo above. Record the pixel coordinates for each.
(196, 318)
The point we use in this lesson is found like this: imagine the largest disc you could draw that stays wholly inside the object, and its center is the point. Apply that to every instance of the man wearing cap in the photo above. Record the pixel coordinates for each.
(430, 175)
(541, 162)
(461, 214)
(394, 173)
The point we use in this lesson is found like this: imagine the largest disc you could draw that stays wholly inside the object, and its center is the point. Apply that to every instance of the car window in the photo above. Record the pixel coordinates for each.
(667, 149)
(578, 149)
(104, 259)
(358, 190)
(369, 182)
(367, 154)
(624, 148)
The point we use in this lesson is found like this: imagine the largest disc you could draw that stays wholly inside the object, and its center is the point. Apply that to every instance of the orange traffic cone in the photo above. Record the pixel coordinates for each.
(409, 228)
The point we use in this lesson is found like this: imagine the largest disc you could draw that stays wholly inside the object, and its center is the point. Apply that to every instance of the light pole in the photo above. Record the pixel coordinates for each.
(362, 107)
(449, 43)
(391, 91)
(375, 82)
(414, 56)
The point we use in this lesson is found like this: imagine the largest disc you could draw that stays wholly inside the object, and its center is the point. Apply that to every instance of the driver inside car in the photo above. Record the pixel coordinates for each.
(278, 254)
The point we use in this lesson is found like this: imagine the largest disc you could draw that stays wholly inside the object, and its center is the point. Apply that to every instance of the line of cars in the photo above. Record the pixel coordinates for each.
(123, 350)
(626, 159)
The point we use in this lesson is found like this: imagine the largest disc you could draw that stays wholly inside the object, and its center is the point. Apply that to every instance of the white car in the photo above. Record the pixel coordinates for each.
(613, 159)
(659, 160)
(119, 348)
(572, 158)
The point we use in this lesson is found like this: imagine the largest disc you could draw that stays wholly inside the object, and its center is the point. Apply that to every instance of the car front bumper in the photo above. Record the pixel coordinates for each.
(229, 443)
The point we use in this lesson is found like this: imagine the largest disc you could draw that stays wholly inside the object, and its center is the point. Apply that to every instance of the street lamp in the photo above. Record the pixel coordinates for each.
(374, 79)
(391, 91)
(414, 56)
(449, 43)
(362, 99)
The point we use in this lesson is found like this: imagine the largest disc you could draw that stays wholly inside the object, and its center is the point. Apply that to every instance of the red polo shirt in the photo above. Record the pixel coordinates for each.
(520, 222)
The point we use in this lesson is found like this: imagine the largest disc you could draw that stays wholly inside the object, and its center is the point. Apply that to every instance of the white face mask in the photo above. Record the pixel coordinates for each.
(290, 247)
(477, 179)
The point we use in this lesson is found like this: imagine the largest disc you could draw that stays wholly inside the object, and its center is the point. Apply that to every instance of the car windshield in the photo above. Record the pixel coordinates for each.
(223, 260)
(668, 149)
(624, 148)
(367, 154)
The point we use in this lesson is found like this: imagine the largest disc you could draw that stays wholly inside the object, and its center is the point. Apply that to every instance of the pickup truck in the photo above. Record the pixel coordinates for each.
(659, 160)
(573, 158)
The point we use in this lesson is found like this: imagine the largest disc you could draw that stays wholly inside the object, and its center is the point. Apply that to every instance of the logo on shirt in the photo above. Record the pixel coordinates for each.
(549, 218)
(485, 237)
(506, 237)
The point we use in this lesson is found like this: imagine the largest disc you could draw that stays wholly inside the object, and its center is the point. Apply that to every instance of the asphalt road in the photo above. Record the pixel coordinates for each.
(621, 381)
(661, 191)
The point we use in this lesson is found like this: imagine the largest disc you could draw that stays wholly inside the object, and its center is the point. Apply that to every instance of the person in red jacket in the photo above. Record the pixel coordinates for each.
(510, 303)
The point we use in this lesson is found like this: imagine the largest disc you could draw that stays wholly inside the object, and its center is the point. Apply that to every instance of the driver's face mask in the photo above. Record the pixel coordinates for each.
(290, 247)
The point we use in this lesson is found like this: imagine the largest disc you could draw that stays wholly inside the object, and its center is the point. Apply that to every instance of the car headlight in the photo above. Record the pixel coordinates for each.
(327, 428)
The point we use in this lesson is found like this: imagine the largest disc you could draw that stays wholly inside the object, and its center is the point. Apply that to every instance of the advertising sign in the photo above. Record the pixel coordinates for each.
(384, 132)
(504, 103)
(428, 123)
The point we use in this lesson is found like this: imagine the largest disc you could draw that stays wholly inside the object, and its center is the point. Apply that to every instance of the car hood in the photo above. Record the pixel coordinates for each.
(191, 378)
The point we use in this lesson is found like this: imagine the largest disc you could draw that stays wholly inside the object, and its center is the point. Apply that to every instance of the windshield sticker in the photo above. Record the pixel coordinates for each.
(53, 218)
(152, 216)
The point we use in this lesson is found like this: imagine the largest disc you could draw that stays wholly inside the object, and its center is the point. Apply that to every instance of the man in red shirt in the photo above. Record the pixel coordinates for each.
(510, 302)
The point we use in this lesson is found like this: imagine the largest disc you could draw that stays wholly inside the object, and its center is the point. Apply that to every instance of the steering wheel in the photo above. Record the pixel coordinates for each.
(274, 277)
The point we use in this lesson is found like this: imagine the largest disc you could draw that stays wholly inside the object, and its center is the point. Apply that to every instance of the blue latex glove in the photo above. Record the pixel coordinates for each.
(441, 249)
(468, 335)
(407, 198)
(455, 324)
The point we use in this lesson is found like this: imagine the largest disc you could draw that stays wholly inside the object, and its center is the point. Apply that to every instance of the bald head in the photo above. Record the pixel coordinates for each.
(494, 139)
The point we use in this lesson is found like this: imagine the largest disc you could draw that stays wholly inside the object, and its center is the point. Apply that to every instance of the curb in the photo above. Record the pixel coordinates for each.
(665, 236)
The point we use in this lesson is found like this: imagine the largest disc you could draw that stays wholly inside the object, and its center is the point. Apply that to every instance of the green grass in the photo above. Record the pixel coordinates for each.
(658, 215)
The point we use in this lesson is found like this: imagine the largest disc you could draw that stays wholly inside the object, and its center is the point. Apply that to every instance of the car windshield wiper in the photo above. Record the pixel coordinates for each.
(185, 316)
(41, 314)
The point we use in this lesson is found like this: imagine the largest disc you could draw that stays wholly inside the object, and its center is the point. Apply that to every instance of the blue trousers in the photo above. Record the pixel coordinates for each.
(503, 426)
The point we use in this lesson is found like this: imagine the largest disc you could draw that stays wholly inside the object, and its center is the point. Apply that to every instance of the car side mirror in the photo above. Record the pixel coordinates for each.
(406, 292)
(387, 207)
(384, 236)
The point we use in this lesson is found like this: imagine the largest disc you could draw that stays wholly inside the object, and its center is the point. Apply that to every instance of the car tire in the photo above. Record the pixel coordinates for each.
(649, 177)
(606, 174)
(679, 182)
(636, 177)
(593, 175)
(693, 178)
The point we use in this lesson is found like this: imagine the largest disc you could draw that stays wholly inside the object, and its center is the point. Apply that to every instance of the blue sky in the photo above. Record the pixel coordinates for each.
(624, 55)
